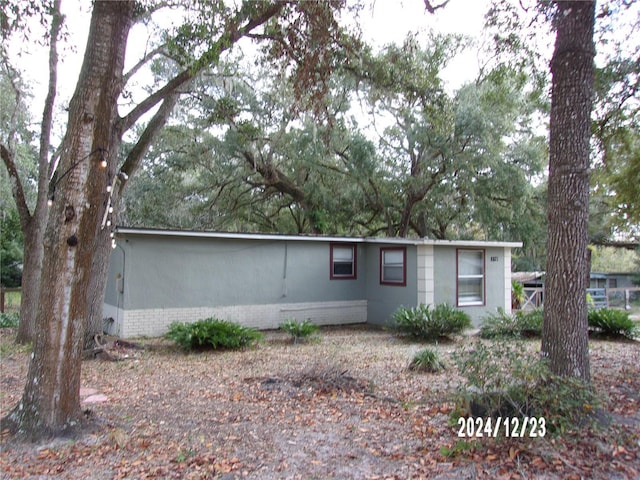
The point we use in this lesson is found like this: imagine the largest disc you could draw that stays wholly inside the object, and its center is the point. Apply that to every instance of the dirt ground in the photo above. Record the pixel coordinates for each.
(345, 407)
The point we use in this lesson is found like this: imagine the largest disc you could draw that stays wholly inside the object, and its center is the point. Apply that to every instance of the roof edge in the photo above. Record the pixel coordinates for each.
(312, 238)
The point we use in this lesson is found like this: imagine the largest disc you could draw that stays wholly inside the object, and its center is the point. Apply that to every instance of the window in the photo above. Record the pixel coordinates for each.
(470, 284)
(393, 269)
(343, 261)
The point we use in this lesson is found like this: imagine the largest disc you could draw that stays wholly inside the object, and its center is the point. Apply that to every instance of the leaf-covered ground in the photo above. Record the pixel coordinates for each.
(344, 407)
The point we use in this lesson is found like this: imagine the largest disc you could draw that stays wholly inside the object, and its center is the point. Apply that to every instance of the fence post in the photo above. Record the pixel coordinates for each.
(1, 300)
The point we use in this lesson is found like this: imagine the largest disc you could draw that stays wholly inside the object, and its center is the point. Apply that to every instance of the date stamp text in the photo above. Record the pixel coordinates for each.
(513, 427)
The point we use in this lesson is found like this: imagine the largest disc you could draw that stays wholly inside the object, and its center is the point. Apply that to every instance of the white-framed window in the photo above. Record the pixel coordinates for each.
(393, 266)
(344, 261)
(471, 277)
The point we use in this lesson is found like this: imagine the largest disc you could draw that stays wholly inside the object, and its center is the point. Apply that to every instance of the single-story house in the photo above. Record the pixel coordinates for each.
(612, 280)
(157, 277)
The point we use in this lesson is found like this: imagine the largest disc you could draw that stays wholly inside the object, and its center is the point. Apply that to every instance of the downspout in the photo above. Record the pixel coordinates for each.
(120, 288)
(284, 272)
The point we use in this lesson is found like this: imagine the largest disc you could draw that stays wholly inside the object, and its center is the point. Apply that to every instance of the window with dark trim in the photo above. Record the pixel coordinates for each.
(470, 283)
(344, 264)
(393, 266)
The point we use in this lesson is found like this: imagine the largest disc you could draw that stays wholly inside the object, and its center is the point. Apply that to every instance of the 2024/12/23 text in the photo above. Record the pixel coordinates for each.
(514, 427)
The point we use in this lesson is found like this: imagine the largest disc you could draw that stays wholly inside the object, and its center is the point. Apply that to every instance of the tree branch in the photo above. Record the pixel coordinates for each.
(47, 113)
(148, 56)
(224, 43)
(431, 8)
(16, 185)
(134, 159)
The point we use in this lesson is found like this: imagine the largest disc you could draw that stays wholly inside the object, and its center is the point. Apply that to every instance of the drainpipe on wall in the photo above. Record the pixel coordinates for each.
(284, 272)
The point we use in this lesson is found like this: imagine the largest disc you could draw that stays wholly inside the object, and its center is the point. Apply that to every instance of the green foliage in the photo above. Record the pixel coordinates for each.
(612, 259)
(426, 323)
(459, 447)
(505, 379)
(10, 249)
(299, 331)
(9, 320)
(517, 293)
(332, 178)
(212, 334)
(427, 360)
(519, 324)
(610, 321)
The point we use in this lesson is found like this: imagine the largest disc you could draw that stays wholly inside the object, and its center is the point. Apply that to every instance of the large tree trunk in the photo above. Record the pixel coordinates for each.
(31, 269)
(103, 249)
(98, 281)
(565, 336)
(33, 226)
(51, 400)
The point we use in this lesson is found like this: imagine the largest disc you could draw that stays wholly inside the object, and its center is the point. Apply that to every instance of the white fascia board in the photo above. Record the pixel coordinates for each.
(235, 236)
(473, 243)
(319, 238)
(451, 243)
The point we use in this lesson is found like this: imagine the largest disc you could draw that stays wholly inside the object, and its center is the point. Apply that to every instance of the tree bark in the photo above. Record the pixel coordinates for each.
(51, 401)
(33, 225)
(31, 269)
(102, 251)
(565, 336)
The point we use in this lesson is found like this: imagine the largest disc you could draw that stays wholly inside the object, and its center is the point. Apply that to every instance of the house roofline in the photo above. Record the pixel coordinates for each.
(313, 238)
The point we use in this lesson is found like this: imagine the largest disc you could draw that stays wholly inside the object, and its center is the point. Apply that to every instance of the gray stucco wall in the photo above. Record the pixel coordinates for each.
(157, 278)
(169, 272)
(383, 300)
(497, 262)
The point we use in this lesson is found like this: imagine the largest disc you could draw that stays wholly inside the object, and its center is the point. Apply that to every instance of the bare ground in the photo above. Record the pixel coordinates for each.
(345, 407)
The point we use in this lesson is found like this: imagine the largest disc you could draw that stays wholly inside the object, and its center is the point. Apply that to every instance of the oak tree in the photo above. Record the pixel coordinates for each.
(565, 335)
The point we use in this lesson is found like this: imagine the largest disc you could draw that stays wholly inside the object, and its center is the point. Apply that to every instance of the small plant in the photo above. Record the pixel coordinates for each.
(519, 324)
(504, 379)
(427, 360)
(212, 334)
(613, 322)
(426, 323)
(458, 448)
(9, 320)
(299, 331)
(518, 296)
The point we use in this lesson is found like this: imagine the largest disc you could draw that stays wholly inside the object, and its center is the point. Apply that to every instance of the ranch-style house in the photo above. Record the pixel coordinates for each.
(157, 277)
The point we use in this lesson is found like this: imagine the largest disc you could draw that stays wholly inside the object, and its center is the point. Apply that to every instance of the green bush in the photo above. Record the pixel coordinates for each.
(426, 323)
(504, 379)
(427, 360)
(299, 331)
(212, 334)
(9, 320)
(611, 321)
(518, 324)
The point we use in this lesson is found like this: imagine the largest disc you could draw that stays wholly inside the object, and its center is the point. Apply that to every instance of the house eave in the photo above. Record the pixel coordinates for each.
(313, 238)
(233, 235)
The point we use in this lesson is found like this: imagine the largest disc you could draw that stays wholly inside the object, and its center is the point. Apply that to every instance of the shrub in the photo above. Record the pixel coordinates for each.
(519, 324)
(9, 320)
(611, 321)
(504, 379)
(299, 331)
(518, 296)
(212, 334)
(424, 323)
(427, 360)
